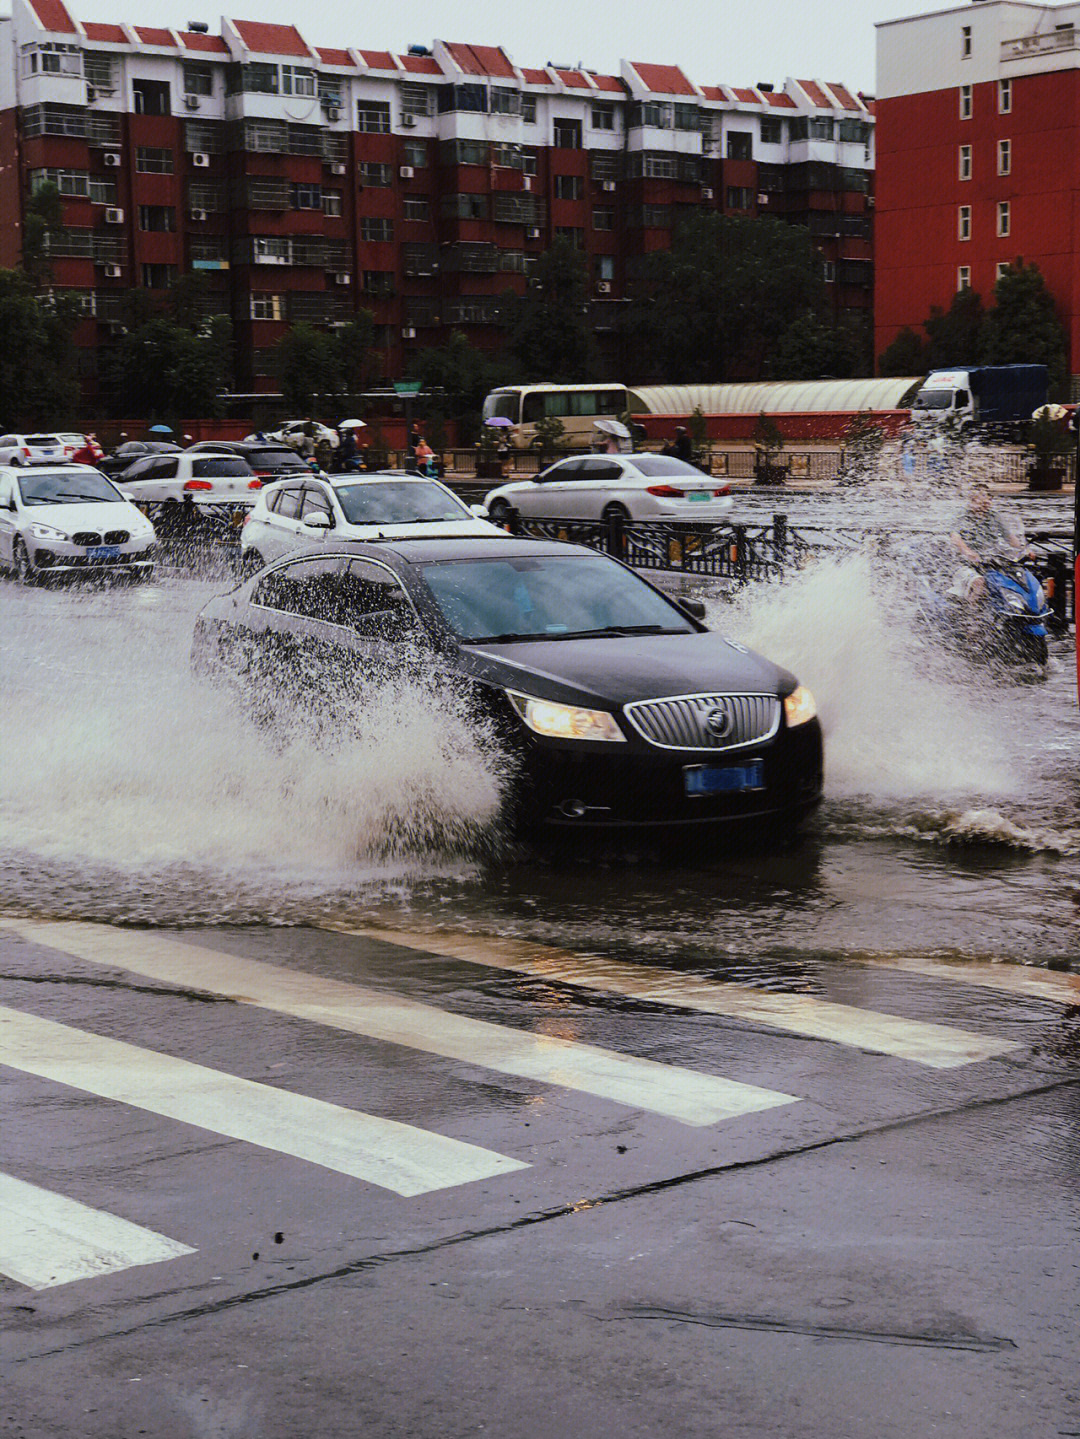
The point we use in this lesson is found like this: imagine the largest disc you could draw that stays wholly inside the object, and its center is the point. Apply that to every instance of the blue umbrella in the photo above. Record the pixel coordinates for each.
(160, 430)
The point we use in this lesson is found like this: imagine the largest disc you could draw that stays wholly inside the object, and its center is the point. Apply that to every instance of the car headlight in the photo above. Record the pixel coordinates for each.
(1016, 602)
(799, 706)
(47, 532)
(556, 721)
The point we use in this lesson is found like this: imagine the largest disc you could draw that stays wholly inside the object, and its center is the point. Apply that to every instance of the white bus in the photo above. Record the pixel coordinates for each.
(577, 406)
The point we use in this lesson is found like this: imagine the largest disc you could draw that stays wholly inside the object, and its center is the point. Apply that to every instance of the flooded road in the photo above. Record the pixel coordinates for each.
(134, 793)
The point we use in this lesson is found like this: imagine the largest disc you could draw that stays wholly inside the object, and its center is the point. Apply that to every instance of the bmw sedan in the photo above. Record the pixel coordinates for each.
(617, 708)
(596, 487)
(70, 519)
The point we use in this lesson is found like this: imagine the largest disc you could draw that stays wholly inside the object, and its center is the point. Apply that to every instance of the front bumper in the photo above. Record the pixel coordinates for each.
(55, 557)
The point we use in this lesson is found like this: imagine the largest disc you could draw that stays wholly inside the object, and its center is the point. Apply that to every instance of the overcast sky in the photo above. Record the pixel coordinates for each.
(734, 41)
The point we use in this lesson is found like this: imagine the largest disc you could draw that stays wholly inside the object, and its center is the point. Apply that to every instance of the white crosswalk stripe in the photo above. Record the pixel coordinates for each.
(47, 1239)
(935, 1045)
(682, 1094)
(387, 1153)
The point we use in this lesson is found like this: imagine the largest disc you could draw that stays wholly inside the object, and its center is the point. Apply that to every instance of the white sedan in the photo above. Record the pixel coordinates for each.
(302, 514)
(596, 487)
(70, 518)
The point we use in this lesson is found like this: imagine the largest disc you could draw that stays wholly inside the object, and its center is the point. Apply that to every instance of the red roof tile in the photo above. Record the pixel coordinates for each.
(608, 82)
(779, 99)
(816, 95)
(748, 97)
(421, 64)
(212, 44)
(54, 17)
(870, 103)
(266, 39)
(150, 36)
(335, 57)
(664, 79)
(481, 60)
(844, 96)
(574, 79)
(537, 77)
(378, 59)
(105, 34)
(713, 92)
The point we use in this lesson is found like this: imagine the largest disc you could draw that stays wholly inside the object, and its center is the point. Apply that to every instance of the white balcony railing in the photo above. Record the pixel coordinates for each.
(1049, 43)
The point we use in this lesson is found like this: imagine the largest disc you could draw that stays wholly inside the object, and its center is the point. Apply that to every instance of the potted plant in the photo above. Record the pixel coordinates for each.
(1049, 443)
(488, 459)
(768, 448)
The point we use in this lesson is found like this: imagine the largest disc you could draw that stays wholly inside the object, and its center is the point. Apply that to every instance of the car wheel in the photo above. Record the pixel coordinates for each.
(500, 512)
(20, 564)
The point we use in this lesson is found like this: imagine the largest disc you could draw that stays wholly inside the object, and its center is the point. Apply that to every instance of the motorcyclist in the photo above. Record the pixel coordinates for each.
(981, 532)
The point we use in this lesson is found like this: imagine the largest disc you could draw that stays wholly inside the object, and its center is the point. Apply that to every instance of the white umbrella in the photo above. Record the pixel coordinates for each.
(352, 425)
(612, 427)
(1050, 412)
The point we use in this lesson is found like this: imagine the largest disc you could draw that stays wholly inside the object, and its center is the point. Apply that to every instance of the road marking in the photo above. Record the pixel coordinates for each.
(47, 1239)
(681, 1094)
(934, 1045)
(1051, 985)
(385, 1152)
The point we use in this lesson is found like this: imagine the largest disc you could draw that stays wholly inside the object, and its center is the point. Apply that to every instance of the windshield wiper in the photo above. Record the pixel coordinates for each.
(610, 631)
(70, 495)
(502, 639)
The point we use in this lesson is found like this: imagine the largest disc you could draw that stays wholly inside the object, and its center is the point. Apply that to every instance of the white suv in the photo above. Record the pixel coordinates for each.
(210, 482)
(33, 450)
(303, 514)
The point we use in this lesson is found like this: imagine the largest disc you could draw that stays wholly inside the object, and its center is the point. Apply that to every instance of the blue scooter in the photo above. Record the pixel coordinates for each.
(1014, 613)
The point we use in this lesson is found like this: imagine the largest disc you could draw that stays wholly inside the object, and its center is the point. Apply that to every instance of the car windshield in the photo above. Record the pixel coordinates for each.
(932, 400)
(274, 460)
(548, 597)
(67, 487)
(220, 465)
(663, 465)
(43, 439)
(399, 502)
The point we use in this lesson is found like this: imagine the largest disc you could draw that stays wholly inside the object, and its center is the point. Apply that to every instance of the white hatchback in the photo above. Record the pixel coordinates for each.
(210, 482)
(33, 449)
(303, 514)
(70, 518)
(595, 487)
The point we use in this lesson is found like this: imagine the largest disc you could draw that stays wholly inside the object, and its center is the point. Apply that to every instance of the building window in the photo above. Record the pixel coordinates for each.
(464, 152)
(259, 79)
(507, 157)
(204, 135)
(571, 233)
(772, 132)
(602, 116)
(1004, 157)
(605, 267)
(297, 81)
(464, 207)
(1004, 97)
(653, 165)
(198, 78)
(100, 71)
(965, 41)
(828, 268)
(1004, 218)
(307, 197)
(417, 100)
(853, 132)
(152, 161)
(504, 101)
(151, 97)
(822, 129)
(603, 219)
(566, 134)
(417, 207)
(965, 102)
(332, 203)
(568, 187)
(604, 164)
(373, 117)
(965, 162)
(528, 109)
(963, 222)
(158, 277)
(376, 174)
(378, 282)
(1003, 268)
(376, 230)
(160, 218)
(267, 307)
(739, 197)
(414, 153)
(740, 145)
(963, 277)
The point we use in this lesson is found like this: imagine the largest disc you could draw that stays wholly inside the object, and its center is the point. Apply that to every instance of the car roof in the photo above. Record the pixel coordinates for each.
(58, 469)
(429, 551)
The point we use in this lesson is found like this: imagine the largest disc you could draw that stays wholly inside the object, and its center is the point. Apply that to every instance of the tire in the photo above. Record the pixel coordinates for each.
(21, 567)
(500, 512)
(610, 511)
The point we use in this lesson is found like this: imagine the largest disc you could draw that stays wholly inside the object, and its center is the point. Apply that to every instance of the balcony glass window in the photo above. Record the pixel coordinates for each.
(772, 132)
(267, 306)
(296, 80)
(159, 218)
(376, 229)
(260, 79)
(198, 78)
(373, 117)
(151, 160)
(740, 145)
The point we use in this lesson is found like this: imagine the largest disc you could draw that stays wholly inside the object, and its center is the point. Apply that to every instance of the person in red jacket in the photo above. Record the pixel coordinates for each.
(90, 453)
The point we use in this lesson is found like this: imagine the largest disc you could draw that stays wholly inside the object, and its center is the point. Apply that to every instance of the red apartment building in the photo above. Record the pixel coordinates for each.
(978, 131)
(307, 182)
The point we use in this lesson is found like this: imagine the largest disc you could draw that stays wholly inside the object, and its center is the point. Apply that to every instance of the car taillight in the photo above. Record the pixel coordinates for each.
(723, 490)
(254, 484)
(26, 451)
(668, 492)
(198, 485)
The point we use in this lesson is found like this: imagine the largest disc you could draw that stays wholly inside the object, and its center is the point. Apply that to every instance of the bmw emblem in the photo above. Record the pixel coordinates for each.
(719, 723)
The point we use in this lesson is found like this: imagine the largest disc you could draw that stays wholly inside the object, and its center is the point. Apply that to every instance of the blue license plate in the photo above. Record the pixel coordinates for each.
(724, 779)
(103, 552)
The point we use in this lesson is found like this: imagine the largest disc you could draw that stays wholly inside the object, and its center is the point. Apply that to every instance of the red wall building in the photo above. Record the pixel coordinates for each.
(305, 182)
(978, 130)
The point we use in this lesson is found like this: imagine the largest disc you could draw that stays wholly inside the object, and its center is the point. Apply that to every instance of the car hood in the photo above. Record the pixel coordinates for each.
(432, 530)
(627, 668)
(93, 515)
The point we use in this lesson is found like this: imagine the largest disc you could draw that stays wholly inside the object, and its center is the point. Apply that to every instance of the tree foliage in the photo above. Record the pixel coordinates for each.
(462, 372)
(36, 359)
(166, 370)
(550, 337)
(954, 334)
(814, 348)
(44, 213)
(905, 356)
(1022, 328)
(316, 364)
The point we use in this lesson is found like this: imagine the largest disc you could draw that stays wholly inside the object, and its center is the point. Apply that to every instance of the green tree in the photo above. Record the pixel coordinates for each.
(44, 214)
(1022, 328)
(307, 366)
(353, 343)
(954, 335)
(550, 337)
(462, 373)
(905, 356)
(811, 348)
(715, 304)
(37, 359)
(165, 370)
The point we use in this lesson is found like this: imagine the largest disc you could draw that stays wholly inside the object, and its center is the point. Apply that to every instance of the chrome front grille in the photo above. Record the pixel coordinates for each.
(117, 537)
(86, 537)
(713, 721)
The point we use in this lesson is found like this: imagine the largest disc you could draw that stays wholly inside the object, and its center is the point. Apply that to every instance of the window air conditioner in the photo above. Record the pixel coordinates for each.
(113, 272)
(763, 199)
(114, 216)
(526, 183)
(706, 192)
(343, 278)
(603, 287)
(200, 160)
(333, 112)
(408, 333)
(191, 102)
(198, 214)
(533, 233)
(408, 121)
(406, 172)
(337, 168)
(608, 187)
(111, 160)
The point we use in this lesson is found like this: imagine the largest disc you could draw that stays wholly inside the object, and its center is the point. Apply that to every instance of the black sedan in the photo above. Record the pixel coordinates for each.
(617, 707)
(269, 461)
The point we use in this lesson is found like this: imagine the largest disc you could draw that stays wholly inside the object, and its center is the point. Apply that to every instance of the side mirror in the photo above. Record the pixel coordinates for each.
(694, 608)
(480, 511)
(128, 495)
(317, 521)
